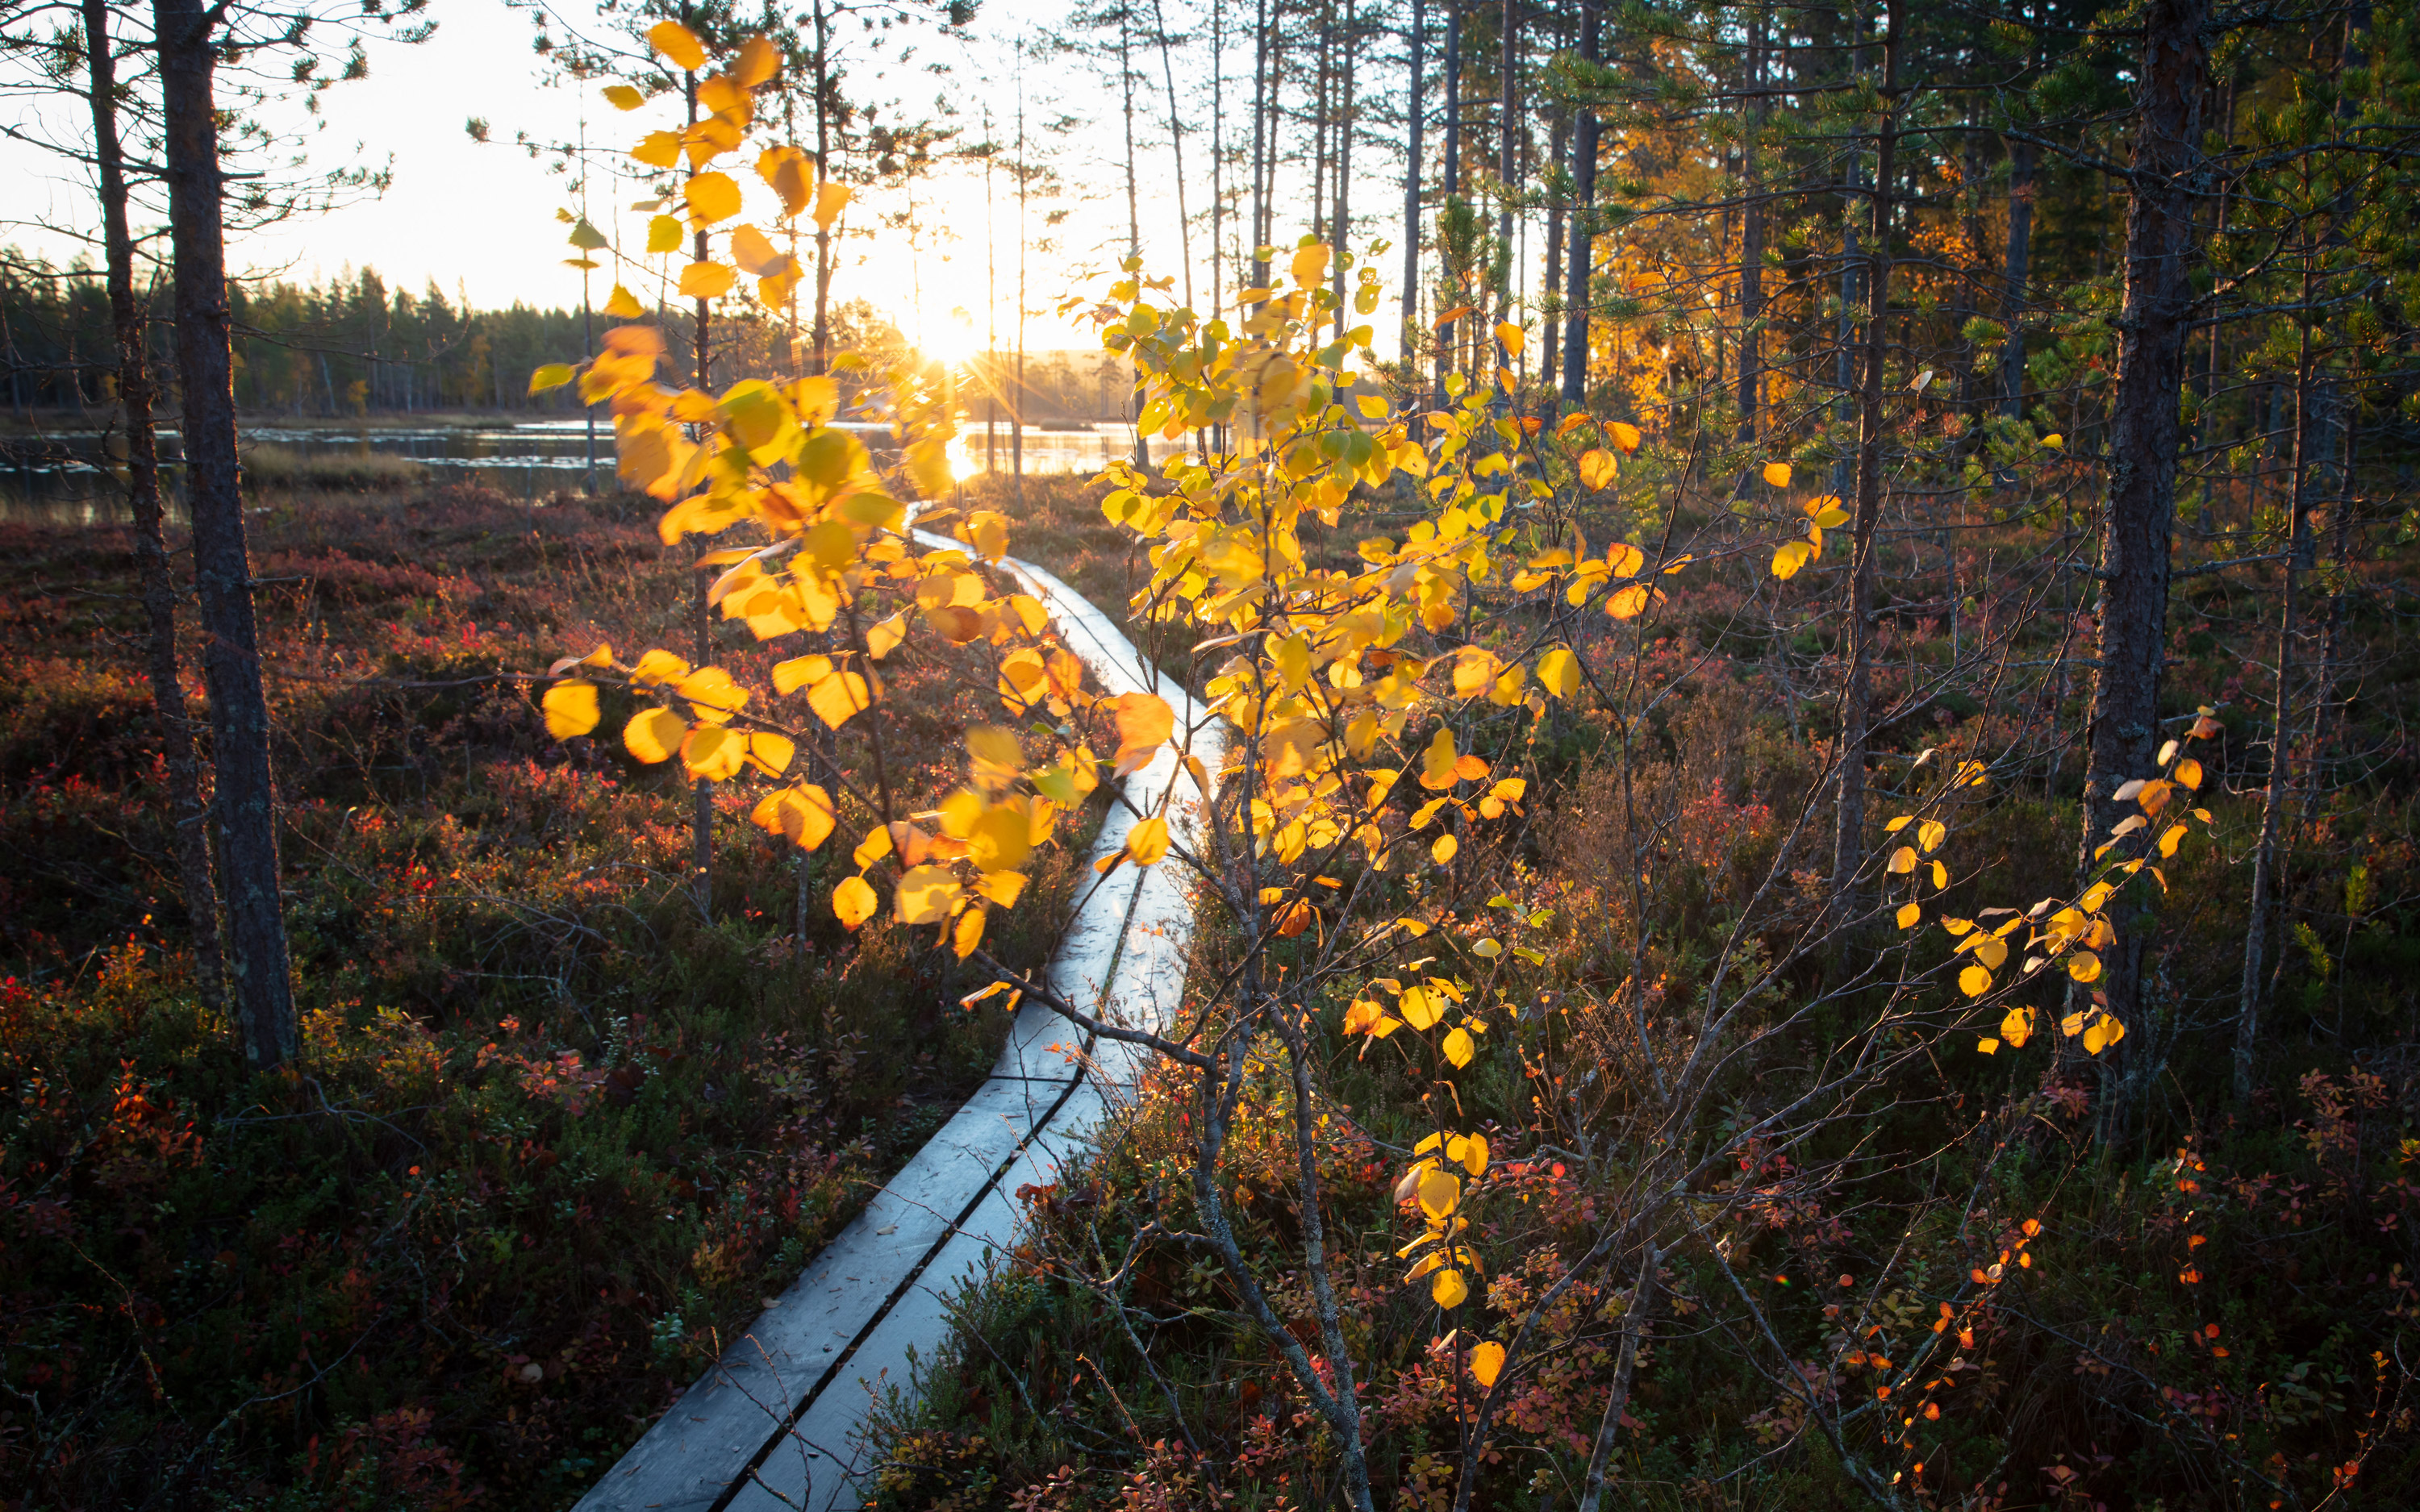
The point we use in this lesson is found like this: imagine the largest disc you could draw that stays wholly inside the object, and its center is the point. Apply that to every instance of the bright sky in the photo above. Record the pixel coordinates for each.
(481, 217)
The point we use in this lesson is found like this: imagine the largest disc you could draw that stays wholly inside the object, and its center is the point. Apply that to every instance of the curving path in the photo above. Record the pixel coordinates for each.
(775, 1422)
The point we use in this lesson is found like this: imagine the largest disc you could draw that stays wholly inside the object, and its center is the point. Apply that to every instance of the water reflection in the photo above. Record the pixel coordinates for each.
(75, 476)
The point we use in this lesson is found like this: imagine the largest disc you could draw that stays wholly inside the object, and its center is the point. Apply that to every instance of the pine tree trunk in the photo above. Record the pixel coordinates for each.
(2275, 794)
(246, 801)
(1343, 134)
(2138, 517)
(1752, 245)
(1848, 832)
(190, 816)
(2020, 251)
(1414, 122)
(1581, 259)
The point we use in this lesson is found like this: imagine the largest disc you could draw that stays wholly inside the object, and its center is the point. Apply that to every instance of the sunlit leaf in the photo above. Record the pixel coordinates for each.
(570, 709)
(706, 281)
(2084, 967)
(1559, 672)
(653, 735)
(853, 902)
(622, 97)
(1974, 981)
(551, 376)
(1147, 842)
(1487, 1362)
(1459, 1048)
(1624, 437)
(1448, 1289)
(711, 198)
(1444, 849)
(1598, 468)
(1910, 914)
(1439, 1193)
(1144, 722)
(926, 894)
(1778, 474)
(678, 44)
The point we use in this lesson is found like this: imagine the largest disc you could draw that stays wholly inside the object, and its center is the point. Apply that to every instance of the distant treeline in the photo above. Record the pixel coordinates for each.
(352, 345)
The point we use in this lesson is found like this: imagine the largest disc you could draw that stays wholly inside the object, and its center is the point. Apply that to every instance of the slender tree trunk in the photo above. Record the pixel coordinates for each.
(1580, 264)
(1550, 343)
(1617, 1403)
(1218, 145)
(2139, 516)
(2020, 251)
(190, 816)
(1415, 37)
(2274, 798)
(1260, 232)
(1176, 145)
(1751, 368)
(1508, 166)
(1449, 215)
(246, 801)
(701, 821)
(823, 81)
(1344, 132)
(1856, 694)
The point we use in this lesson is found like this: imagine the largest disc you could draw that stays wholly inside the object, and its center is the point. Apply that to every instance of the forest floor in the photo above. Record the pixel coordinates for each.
(553, 1135)
(2214, 1307)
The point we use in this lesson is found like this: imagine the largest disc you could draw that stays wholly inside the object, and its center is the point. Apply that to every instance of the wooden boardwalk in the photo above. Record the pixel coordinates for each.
(776, 1423)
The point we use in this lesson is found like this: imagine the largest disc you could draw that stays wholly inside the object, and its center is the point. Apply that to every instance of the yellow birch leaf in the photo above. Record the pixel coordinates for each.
(1487, 1362)
(677, 43)
(837, 698)
(664, 233)
(706, 281)
(1439, 1193)
(757, 63)
(1559, 672)
(966, 932)
(853, 902)
(753, 252)
(830, 199)
(622, 97)
(1988, 1046)
(1597, 468)
(2096, 1038)
(772, 752)
(2171, 839)
(1940, 874)
(624, 305)
(653, 735)
(1974, 981)
(1931, 833)
(1144, 722)
(791, 176)
(926, 894)
(570, 709)
(1458, 1048)
(551, 376)
(714, 753)
(1902, 860)
(2084, 967)
(712, 196)
(1448, 1289)
(1910, 914)
(1789, 558)
(1513, 336)
(2189, 773)
(2017, 1025)
(658, 149)
(1419, 1008)
(1631, 602)
(1147, 842)
(1778, 474)
(1444, 850)
(1625, 438)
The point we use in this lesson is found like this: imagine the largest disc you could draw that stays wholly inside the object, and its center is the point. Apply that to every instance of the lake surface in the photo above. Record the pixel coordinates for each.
(66, 476)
